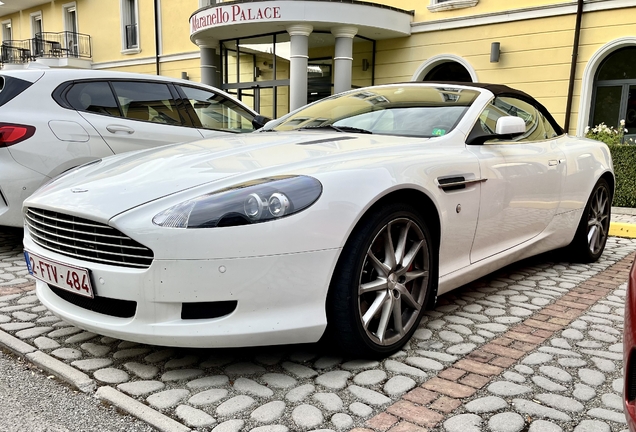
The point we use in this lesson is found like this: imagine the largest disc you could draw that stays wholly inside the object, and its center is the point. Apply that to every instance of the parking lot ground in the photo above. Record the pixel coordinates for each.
(533, 347)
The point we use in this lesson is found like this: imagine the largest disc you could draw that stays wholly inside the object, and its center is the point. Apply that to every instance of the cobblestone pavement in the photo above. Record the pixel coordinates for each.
(533, 347)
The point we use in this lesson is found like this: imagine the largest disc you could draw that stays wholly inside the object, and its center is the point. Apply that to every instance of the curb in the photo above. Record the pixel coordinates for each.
(624, 211)
(85, 384)
(618, 229)
(15, 345)
(77, 379)
(139, 410)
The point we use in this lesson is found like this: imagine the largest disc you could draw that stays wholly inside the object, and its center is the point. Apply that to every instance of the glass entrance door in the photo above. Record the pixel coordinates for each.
(256, 71)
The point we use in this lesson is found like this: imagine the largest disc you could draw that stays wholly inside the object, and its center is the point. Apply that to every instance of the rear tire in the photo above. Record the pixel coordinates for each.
(592, 232)
(382, 283)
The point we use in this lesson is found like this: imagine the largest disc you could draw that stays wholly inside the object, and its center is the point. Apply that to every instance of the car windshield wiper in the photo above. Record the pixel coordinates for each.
(338, 128)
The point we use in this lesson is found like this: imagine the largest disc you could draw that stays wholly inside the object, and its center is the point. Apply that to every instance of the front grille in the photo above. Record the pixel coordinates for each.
(84, 239)
(102, 305)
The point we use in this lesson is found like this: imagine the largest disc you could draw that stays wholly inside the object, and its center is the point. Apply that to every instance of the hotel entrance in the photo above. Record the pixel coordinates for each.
(256, 70)
(277, 56)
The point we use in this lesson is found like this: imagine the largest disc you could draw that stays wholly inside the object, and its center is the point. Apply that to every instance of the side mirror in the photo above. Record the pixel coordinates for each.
(510, 126)
(259, 121)
(506, 128)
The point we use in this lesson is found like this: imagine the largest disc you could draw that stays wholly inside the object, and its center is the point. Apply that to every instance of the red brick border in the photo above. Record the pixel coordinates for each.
(427, 405)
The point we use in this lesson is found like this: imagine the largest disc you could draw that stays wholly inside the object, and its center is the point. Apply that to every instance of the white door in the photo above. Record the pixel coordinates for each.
(523, 177)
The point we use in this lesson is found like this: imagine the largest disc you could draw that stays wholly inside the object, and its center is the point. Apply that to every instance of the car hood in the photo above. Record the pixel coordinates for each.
(121, 182)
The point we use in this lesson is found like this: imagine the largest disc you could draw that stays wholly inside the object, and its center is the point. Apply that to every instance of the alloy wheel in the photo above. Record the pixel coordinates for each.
(393, 281)
(598, 220)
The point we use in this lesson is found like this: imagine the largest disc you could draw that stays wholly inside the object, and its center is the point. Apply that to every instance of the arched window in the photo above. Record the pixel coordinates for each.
(448, 71)
(614, 96)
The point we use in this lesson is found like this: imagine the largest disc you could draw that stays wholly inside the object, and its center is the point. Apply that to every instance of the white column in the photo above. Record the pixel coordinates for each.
(210, 63)
(299, 38)
(343, 59)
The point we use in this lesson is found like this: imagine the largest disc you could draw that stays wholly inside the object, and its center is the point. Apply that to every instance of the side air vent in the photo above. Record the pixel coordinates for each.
(207, 310)
(103, 305)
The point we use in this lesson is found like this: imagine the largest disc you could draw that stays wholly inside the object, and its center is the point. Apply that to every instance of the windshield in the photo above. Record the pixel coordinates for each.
(408, 110)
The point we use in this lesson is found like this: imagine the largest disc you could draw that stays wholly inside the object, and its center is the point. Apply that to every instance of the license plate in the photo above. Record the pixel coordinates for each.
(69, 278)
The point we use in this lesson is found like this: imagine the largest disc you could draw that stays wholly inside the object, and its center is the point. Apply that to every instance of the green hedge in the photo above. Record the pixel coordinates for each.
(624, 157)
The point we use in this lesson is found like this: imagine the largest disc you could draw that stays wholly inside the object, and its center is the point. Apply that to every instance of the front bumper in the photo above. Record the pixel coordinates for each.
(280, 299)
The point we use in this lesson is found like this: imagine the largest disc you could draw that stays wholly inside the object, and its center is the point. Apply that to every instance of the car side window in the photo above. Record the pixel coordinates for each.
(146, 101)
(537, 126)
(95, 97)
(215, 111)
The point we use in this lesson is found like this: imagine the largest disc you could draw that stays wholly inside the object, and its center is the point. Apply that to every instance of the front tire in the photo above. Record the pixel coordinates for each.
(592, 232)
(382, 282)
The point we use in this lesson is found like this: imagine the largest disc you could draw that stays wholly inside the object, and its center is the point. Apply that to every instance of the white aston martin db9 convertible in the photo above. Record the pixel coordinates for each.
(344, 219)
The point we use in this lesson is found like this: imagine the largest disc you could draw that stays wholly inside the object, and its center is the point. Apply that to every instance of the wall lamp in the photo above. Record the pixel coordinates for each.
(184, 75)
(365, 64)
(495, 52)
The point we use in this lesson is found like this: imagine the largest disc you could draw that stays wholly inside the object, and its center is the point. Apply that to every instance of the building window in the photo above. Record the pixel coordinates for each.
(448, 71)
(614, 97)
(36, 23)
(7, 34)
(442, 5)
(204, 3)
(70, 44)
(130, 26)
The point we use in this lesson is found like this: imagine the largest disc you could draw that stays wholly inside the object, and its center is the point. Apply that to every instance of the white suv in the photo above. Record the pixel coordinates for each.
(54, 120)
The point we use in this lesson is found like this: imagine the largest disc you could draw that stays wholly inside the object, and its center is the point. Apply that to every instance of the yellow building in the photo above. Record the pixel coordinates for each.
(277, 55)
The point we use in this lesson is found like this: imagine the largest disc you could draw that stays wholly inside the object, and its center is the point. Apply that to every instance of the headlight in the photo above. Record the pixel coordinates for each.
(248, 203)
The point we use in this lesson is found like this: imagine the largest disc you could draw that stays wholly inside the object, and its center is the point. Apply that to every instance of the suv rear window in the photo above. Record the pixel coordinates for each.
(10, 87)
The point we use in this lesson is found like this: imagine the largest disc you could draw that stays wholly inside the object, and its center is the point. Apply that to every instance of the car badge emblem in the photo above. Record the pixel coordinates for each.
(78, 190)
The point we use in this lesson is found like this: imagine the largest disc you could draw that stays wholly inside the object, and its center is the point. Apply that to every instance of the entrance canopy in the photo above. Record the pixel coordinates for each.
(238, 19)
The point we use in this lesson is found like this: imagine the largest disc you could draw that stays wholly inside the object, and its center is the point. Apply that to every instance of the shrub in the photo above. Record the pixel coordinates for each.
(624, 157)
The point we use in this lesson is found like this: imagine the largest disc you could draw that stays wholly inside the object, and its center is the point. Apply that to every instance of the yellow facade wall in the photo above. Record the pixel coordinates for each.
(535, 54)
(175, 16)
(422, 13)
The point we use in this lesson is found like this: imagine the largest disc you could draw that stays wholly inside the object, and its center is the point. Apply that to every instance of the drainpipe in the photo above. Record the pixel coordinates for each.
(575, 53)
(156, 4)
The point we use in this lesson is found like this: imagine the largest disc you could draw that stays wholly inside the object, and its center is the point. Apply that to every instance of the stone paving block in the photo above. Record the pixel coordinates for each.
(477, 367)
(445, 404)
(407, 427)
(382, 421)
(420, 396)
(474, 380)
(448, 388)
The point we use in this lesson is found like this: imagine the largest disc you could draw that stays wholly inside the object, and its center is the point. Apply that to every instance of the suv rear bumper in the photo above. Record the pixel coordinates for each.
(16, 184)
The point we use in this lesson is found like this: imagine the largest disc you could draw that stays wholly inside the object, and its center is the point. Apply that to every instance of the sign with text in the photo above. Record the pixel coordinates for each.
(234, 14)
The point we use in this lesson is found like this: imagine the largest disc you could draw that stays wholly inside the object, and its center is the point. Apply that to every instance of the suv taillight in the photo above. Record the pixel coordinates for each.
(14, 133)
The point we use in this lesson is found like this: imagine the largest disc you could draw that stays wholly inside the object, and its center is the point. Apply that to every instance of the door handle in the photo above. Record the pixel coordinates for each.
(119, 129)
(555, 162)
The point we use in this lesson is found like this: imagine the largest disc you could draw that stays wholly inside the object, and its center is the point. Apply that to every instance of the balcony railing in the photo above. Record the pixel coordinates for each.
(46, 45)
(62, 44)
(15, 52)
